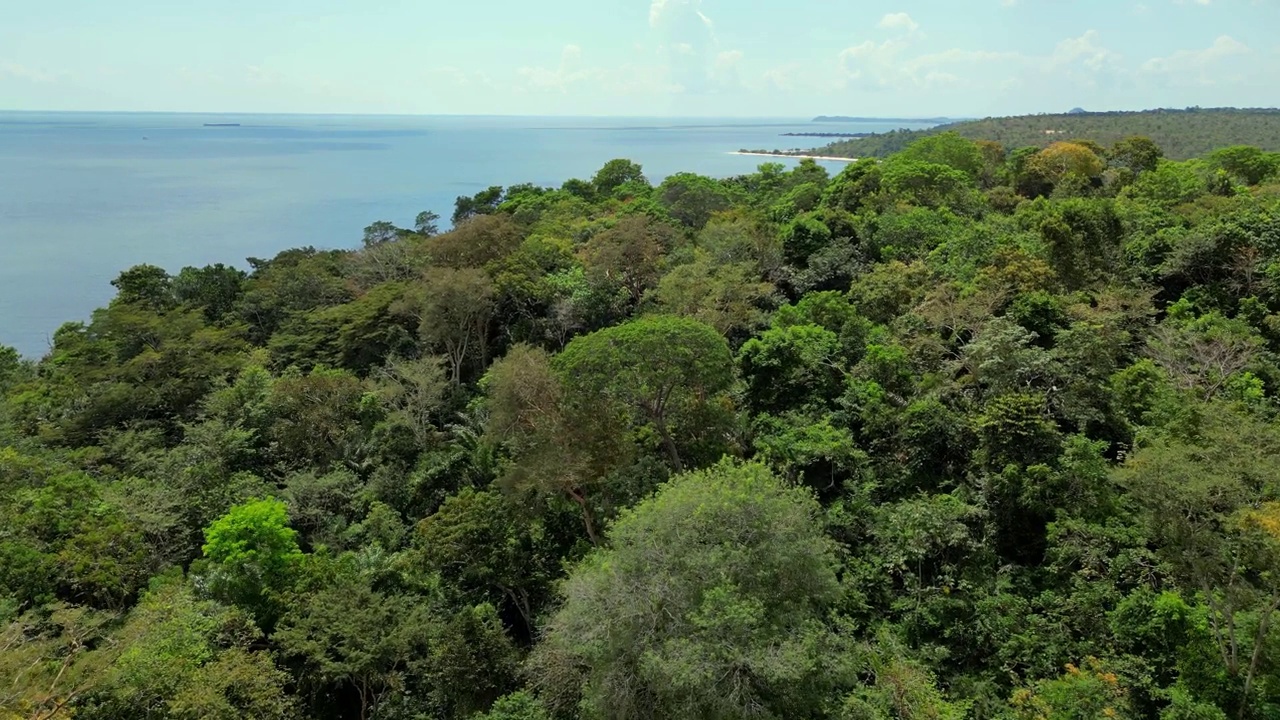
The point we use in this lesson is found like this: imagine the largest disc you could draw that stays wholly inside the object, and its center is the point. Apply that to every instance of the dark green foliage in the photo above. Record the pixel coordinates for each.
(213, 288)
(146, 286)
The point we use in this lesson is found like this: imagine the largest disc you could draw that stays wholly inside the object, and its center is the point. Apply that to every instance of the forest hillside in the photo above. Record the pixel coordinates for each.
(973, 431)
(1182, 134)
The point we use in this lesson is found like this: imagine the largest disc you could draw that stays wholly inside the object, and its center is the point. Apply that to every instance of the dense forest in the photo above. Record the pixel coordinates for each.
(963, 433)
(1182, 134)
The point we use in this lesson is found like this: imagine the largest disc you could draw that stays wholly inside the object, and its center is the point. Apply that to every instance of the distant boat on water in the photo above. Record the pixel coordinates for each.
(222, 124)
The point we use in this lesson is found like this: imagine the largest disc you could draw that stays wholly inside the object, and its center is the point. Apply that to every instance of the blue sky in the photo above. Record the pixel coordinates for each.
(638, 57)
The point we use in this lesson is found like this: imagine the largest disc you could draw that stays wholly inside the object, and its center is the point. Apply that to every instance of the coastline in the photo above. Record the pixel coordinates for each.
(795, 157)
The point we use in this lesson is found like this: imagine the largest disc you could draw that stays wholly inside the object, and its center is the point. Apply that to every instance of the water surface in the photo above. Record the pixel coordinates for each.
(86, 195)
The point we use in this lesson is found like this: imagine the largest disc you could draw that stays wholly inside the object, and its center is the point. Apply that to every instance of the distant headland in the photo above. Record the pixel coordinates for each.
(848, 118)
(222, 124)
(1182, 133)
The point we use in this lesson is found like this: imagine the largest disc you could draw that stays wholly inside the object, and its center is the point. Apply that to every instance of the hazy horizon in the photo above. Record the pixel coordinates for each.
(780, 118)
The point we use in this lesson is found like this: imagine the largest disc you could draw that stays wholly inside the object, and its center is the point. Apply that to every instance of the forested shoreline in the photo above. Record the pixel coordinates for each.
(966, 432)
(1181, 134)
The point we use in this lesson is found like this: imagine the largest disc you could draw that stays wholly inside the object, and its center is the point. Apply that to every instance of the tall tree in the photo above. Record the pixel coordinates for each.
(558, 448)
(454, 307)
(655, 368)
(707, 603)
(629, 255)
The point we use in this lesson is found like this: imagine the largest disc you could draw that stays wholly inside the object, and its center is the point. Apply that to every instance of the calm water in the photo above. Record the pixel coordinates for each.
(83, 196)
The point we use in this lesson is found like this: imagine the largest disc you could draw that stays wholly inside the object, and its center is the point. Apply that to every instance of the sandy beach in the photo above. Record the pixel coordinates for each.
(796, 157)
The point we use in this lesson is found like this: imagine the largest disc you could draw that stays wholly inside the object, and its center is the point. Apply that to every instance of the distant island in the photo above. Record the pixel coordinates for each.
(848, 118)
(222, 124)
(1183, 134)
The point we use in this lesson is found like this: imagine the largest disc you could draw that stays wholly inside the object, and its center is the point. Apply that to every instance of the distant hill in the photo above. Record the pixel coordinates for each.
(1182, 133)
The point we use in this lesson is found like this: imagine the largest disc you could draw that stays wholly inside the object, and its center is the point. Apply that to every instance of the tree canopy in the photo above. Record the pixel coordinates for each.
(985, 430)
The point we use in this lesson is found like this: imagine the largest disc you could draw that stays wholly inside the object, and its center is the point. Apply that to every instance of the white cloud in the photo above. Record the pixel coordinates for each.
(1084, 50)
(8, 68)
(687, 46)
(899, 21)
(1205, 66)
(728, 59)
(725, 69)
(900, 64)
(1195, 60)
(875, 64)
(785, 77)
(568, 73)
(665, 12)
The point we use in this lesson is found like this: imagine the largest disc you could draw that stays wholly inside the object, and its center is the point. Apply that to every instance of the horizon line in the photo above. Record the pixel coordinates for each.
(888, 117)
(462, 114)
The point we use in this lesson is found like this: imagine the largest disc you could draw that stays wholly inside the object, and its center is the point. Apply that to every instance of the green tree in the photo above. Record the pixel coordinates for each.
(517, 706)
(52, 660)
(932, 185)
(380, 232)
(900, 687)
(1250, 165)
(484, 202)
(317, 420)
(615, 174)
(1081, 693)
(415, 391)
(727, 296)
(476, 242)
(558, 448)
(792, 367)
(426, 224)
(454, 308)
(10, 367)
(252, 557)
(1138, 154)
(948, 149)
(1065, 159)
(349, 635)
(214, 288)
(736, 237)
(183, 657)
(657, 369)
(145, 285)
(480, 544)
(692, 199)
(706, 604)
(629, 254)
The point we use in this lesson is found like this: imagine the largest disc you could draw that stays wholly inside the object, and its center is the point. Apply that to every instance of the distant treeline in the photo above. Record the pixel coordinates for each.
(1182, 133)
